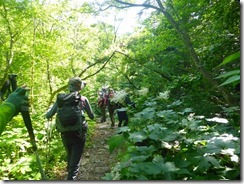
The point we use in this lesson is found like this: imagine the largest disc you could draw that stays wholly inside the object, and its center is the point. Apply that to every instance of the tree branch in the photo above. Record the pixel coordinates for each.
(106, 62)
(156, 71)
(187, 42)
(53, 94)
(128, 5)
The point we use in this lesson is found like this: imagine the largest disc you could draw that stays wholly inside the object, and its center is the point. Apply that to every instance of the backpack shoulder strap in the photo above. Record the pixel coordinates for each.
(83, 98)
(82, 101)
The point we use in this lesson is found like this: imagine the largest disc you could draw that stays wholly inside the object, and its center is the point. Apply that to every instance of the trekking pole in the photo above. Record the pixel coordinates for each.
(27, 120)
(49, 134)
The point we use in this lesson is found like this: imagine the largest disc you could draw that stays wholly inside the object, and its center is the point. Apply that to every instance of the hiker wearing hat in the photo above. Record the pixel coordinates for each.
(71, 123)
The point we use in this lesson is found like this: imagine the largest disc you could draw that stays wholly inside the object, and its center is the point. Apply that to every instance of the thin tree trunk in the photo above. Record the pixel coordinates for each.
(187, 42)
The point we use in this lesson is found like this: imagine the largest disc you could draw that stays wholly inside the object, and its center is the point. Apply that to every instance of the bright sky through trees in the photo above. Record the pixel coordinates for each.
(125, 20)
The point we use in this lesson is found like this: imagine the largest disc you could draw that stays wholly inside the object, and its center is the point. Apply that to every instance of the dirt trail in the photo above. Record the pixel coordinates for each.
(96, 160)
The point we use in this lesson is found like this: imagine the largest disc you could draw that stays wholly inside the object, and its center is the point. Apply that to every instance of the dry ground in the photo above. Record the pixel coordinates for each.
(97, 160)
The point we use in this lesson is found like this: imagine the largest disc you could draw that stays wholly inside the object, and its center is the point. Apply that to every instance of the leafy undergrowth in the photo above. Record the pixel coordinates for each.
(164, 143)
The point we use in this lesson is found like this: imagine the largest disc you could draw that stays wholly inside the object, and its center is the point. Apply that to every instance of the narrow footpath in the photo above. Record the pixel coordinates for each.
(96, 160)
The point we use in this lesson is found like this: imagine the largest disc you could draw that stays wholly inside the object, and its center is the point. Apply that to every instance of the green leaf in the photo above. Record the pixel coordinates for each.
(115, 142)
(187, 110)
(158, 132)
(140, 153)
(217, 144)
(228, 74)
(25, 168)
(231, 173)
(165, 113)
(140, 158)
(183, 171)
(149, 168)
(232, 80)
(156, 126)
(230, 58)
(138, 136)
(164, 167)
(158, 159)
(146, 114)
(205, 163)
(141, 177)
(169, 167)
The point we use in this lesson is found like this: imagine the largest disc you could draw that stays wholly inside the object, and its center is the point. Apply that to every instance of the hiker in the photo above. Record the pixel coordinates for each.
(103, 97)
(121, 112)
(104, 102)
(73, 139)
(111, 106)
(122, 100)
(12, 106)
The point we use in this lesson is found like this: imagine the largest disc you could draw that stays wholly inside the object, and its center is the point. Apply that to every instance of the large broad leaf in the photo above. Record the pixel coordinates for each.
(138, 136)
(142, 150)
(183, 171)
(206, 162)
(169, 167)
(233, 79)
(139, 158)
(140, 153)
(165, 113)
(145, 168)
(149, 168)
(164, 166)
(223, 142)
(115, 142)
(156, 126)
(146, 114)
(160, 133)
(163, 136)
(230, 58)
(228, 74)
(142, 177)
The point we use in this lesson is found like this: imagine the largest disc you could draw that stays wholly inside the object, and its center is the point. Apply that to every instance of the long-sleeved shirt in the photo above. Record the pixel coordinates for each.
(7, 111)
(85, 106)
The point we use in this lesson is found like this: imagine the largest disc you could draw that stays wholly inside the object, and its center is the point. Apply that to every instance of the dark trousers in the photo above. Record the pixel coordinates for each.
(122, 116)
(74, 145)
(103, 112)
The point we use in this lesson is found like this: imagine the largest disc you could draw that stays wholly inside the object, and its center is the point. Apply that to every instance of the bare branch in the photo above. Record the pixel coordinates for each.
(128, 5)
(110, 57)
(53, 94)
(154, 70)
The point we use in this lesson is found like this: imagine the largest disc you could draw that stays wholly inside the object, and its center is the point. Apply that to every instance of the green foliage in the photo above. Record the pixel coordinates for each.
(230, 58)
(19, 156)
(46, 43)
(115, 142)
(177, 145)
(233, 76)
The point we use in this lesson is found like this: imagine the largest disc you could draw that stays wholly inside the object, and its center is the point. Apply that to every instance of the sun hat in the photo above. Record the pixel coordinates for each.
(76, 84)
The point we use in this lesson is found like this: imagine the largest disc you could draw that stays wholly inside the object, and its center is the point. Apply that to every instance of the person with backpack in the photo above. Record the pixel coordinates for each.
(121, 111)
(122, 100)
(71, 123)
(102, 103)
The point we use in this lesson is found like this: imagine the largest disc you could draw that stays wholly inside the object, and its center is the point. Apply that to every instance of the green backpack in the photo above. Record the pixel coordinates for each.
(70, 114)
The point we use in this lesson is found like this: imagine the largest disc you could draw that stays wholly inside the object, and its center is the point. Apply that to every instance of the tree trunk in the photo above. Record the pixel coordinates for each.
(187, 42)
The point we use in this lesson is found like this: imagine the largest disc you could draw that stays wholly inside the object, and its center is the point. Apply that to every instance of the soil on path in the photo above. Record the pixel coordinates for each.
(96, 159)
